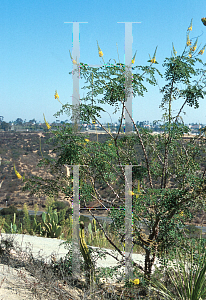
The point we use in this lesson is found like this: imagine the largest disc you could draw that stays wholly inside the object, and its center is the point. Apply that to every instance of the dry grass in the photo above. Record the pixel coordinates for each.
(24, 277)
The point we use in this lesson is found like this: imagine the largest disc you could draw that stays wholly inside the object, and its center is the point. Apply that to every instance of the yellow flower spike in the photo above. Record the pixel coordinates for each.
(133, 60)
(70, 55)
(190, 27)
(202, 51)
(56, 96)
(47, 124)
(100, 51)
(100, 54)
(190, 54)
(17, 173)
(153, 60)
(174, 51)
(188, 40)
(195, 46)
(73, 60)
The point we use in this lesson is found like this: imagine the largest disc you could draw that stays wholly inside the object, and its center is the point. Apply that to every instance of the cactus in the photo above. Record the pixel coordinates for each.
(50, 224)
(96, 235)
(36, 227)
(13, 226)
(89, 266)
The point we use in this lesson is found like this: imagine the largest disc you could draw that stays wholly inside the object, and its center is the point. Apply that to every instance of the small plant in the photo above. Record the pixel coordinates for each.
(187, 278)
(26, 218)
(13, 225)
(50, 227)
(89, 266)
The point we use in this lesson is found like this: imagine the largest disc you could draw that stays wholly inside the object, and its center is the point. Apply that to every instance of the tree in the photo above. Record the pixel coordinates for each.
(18, 121)
(5, 126)
(170, 178)
(33, 121)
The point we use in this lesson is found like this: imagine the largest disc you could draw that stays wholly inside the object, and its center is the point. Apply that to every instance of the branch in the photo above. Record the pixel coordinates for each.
(143, 148)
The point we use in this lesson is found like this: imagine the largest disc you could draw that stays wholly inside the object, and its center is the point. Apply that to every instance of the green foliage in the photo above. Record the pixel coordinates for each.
(13, 227)
(50, 227)
(186, 278)
(26, 219)
(89, 265)
(169, 174)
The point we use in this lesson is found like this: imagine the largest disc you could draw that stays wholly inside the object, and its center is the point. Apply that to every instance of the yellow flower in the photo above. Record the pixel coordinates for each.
(100, 53)
(188, 40)
(181, 214)
(193, 48)
(73, 60)
(17, 173)
(56, 96)
(174, 51)
(133, 60)
(131, 193)
(153, 60)
(190, 27)
(202, 51)
(47, 124)
(135, 281)
(110, 144)
(190, 55)
(86, 140)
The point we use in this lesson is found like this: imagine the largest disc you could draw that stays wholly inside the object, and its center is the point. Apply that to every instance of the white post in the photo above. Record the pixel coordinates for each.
(128, 74)
(76, 71)
(128, 221)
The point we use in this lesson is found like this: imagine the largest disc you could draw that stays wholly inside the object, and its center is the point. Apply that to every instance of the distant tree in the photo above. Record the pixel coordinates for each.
(5, 126)
(18, 121)
(33, 121)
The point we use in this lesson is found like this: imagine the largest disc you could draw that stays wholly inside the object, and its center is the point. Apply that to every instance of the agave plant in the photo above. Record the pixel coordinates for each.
(187, 277)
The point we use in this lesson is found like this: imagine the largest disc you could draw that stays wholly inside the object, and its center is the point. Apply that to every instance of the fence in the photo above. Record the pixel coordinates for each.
(128, 168)
(128, 74)
(128, 220)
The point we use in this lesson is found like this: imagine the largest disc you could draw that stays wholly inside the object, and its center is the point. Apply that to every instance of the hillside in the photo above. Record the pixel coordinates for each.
(23, 149)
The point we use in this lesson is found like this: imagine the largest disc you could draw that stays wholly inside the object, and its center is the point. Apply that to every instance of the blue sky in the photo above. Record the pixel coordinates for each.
(35, 44)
